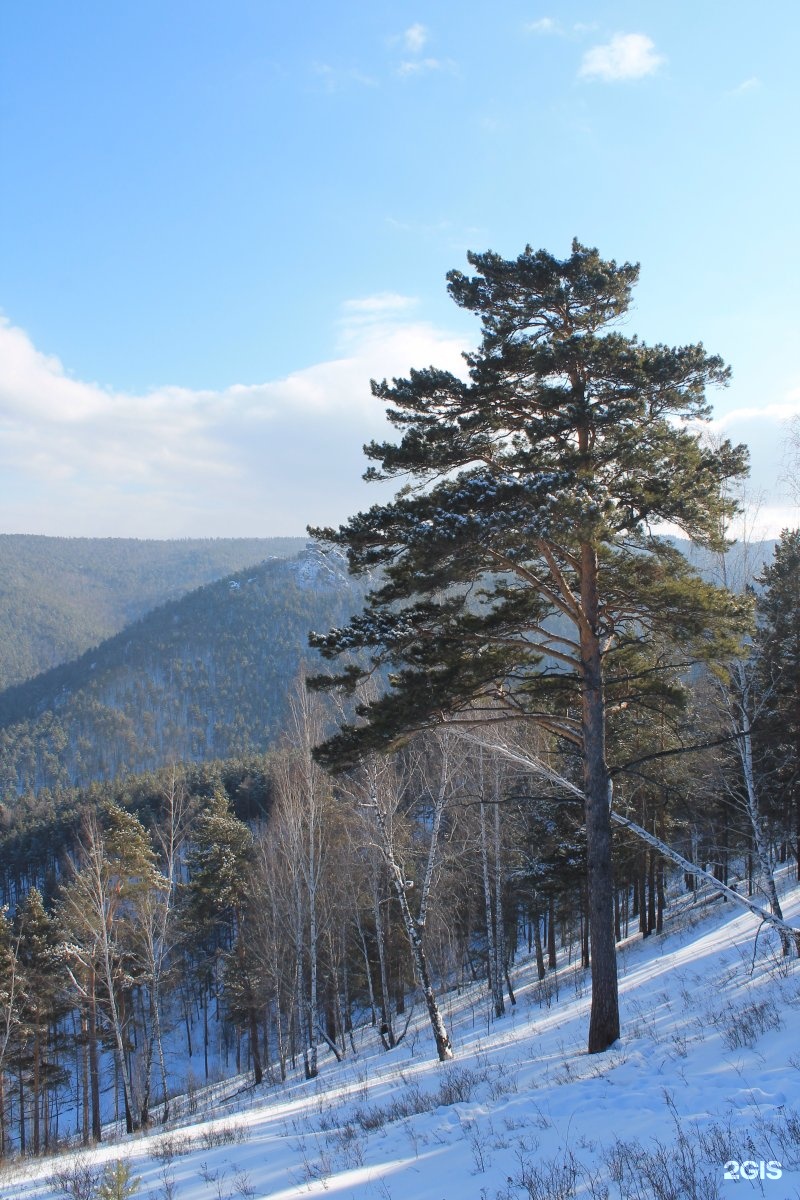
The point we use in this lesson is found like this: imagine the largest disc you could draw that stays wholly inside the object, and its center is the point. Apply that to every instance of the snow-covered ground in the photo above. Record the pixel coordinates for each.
(705, 1078)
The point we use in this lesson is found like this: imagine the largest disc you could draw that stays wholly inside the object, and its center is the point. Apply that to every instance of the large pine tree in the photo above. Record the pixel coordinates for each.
(519, 567)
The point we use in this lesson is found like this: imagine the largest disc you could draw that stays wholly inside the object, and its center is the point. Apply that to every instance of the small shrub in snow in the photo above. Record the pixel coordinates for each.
(243, 1186)
(347, 1142)
(502, 1083)
(457, 1086)
(478, 1144)
(672, 1171)
(171, 1146)
(680, 1043)
(780, 1131)
(77, 1180)
(546, 991)
(407, 1104)
(745, 1025)
(370, 1118)
(223, 1135)
(410, 1102)
(168, 1186)
(553, 1179)
(208, 1174)
(192, 1092)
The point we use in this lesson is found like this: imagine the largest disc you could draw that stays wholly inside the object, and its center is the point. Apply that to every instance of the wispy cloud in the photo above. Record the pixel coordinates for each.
(416, 66)
(752, 84)
(413, 41)
(544, 25)
(626, 56)
(334, 79)
(550, 27)
(381, 302)
(80, 459)
(415, 38)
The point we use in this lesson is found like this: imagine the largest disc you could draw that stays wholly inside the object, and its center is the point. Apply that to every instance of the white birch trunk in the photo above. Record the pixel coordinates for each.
(744, 745)
(413, 927)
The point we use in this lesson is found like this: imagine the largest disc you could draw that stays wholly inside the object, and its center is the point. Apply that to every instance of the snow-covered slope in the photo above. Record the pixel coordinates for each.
(706, 1078)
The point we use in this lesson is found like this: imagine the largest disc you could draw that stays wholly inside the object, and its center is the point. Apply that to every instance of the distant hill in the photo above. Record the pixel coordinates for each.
(60, 596)
(206, 676)
(203, 677)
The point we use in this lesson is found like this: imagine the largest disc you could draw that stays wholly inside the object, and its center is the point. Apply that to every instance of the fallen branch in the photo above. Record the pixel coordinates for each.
(541, 769)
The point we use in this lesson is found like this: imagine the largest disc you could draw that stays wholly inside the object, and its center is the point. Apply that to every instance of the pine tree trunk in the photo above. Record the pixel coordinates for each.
(493, 965)
(499, 934)
(2, 1114)
(585, 956)
(604, 1025)
(45, 1108)
(660, 892)
(205, 1027)
(23, 1146)
(552, 952)
(387, 1030)
(37, 1053)
(373, 1008)
(537, 935)
(651, 893)
(258, 1070)
(94, 1065)
(279, 1034)
(642, 889)
(84, 1072)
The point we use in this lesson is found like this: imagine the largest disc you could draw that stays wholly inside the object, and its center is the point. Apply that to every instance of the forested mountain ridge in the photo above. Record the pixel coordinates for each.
(60, 596)
(196, 678)
(203, 677)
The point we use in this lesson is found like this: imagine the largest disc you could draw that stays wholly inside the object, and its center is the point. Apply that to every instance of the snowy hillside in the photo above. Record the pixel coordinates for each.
(706, 1079)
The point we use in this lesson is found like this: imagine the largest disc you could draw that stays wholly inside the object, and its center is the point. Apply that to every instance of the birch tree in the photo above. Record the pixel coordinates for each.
(302, 810)
(114, 869)
(378, 790)
(156, 932)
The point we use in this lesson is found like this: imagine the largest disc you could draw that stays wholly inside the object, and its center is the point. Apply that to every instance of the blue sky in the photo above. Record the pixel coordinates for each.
(219, 220)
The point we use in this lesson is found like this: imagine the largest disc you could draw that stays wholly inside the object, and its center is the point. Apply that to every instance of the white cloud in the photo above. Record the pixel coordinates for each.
(764, 429)
(417, 65)
(626, 56)
(80, 459)
(77, 458)
(748, 85)
(415, 38)
(381, 302)
(783, 411)
(544, 25)
(334, 79)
